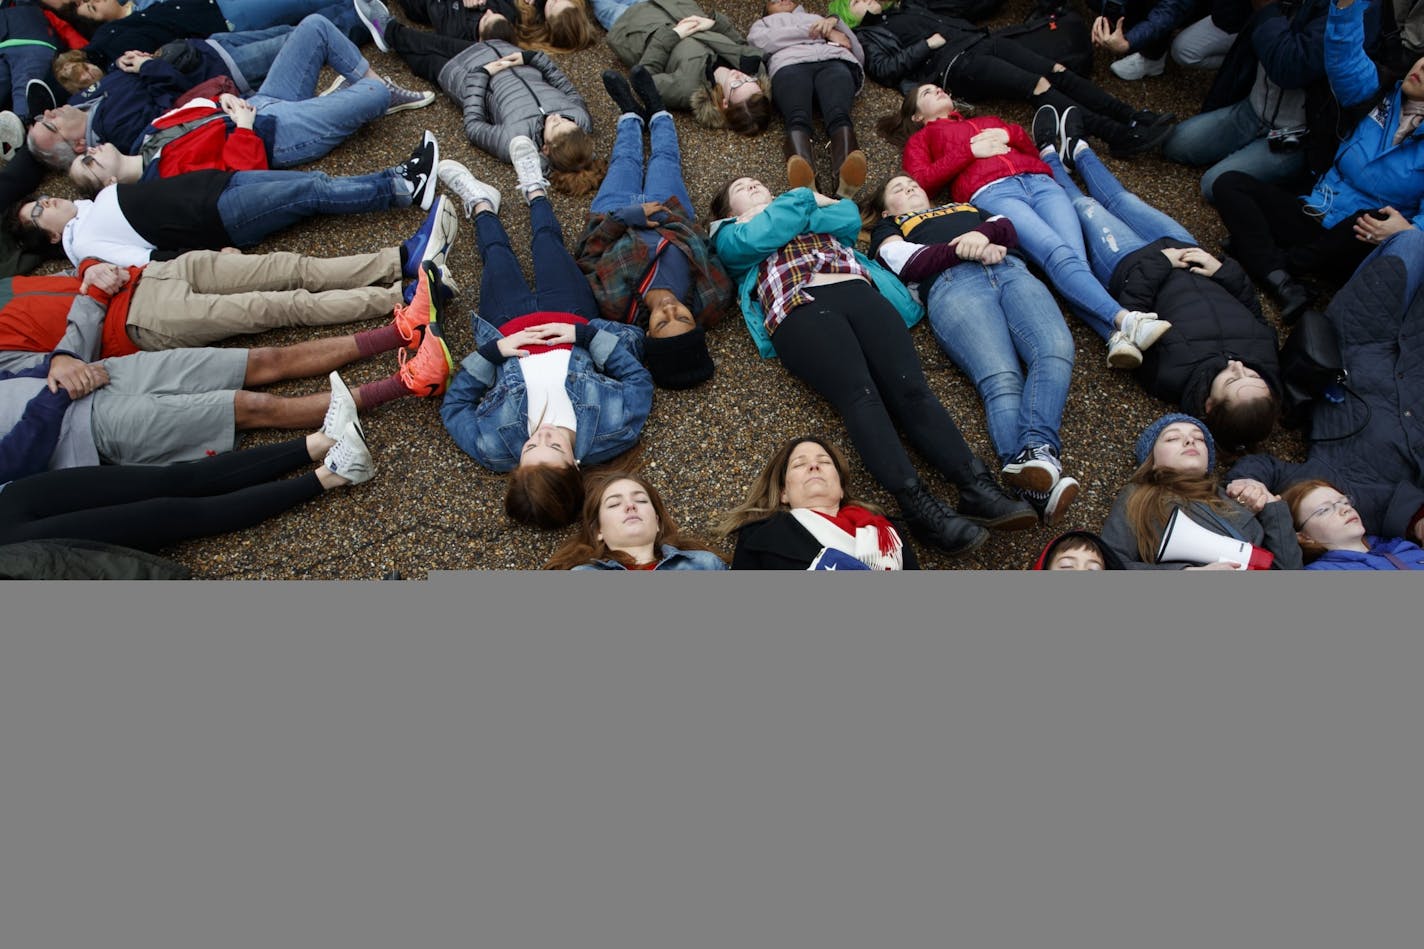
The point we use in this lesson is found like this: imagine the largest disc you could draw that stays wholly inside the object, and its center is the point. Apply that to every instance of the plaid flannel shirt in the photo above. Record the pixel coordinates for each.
(783, 275)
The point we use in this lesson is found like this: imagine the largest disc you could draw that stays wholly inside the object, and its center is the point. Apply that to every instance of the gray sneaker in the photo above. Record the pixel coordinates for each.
(12, 135)
(341, 411)
(374, 15)
(1033, 469)
(469, 189)
(402, 98)
(350, 458)
(528, 165)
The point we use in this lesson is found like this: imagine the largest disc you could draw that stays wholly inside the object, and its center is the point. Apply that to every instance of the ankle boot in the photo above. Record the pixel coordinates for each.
(934, 522)
(983, 501)
(847, 162)
(800, 159)
(1291, 297)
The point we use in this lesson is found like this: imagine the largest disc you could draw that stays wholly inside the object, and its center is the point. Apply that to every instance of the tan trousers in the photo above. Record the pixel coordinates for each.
(205, 296)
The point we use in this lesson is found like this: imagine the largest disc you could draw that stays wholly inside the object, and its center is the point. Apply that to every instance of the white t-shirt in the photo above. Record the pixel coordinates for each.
(101, 230)
(548, 402)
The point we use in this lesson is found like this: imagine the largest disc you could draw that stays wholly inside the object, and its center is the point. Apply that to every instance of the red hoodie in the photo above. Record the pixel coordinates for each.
(938, 155)
(210, 145)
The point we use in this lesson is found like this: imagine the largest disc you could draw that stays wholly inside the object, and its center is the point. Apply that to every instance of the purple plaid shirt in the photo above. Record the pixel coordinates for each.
(782, 276)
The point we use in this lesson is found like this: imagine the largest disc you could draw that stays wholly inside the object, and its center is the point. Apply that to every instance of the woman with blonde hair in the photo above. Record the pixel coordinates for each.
(626, 526)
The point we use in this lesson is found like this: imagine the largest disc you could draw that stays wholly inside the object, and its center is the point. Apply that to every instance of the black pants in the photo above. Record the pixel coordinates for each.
(1271, 230)
(1001, 68)
(151, 506)
(425, 53)
(828, 86)
(852, 347)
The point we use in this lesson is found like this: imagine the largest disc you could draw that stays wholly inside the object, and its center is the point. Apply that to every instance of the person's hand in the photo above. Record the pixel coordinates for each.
(230, 250)
(553, 334)
(1250, 494)
(989, 143)
(824, 201)
(994, 254)
(107, 277)
(935, 41)
(1373, 230)
(970, 245)
(829, 29)
(242, 112)
(77, 377)
(1109, 37)
(1228, 565)
(504, 62)
(512, 346)
(473, 4)
(1199, 261)
(689, 25)
(653, 207)
(133, 60)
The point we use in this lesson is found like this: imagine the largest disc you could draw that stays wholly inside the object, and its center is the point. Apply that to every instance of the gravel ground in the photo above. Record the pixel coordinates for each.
(431, 507)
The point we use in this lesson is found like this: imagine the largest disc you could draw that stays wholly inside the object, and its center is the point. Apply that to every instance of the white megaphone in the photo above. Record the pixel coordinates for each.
(1186, 541)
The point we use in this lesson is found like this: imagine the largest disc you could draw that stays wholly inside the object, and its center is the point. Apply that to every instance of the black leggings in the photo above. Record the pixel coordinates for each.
(151, 506)
(828, 85)
(425, 53)
(1271, 230)
(1000, 68)
(852, 347)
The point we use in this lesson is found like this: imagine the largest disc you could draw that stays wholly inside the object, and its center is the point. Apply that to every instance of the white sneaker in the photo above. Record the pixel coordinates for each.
(350, 458)
(442, 236)
(528, 165)
(341, 412)
(1121, 353)
(1143, 329)
(1136, 66)
(12, 135)
(466, 186)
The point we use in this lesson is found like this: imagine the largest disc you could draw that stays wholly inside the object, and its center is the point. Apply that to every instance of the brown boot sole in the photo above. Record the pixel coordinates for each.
(852, 174)
(799, 173)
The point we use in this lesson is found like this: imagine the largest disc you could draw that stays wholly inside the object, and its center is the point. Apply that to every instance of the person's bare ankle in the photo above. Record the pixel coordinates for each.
(330, 479)
(318, 444)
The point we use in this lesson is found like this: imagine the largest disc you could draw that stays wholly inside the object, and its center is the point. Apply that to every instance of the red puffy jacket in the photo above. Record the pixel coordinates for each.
(938, 155)
(209, 146)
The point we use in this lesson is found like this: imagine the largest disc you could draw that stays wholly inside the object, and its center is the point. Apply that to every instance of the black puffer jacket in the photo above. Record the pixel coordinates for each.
(1213, 319)
(897, 51)
(74, 559)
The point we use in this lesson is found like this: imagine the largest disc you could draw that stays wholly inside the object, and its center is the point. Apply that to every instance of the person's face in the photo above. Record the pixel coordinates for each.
(549, 445)
(80, 75)
(488, 19)
(49, 213)
(1413, 87)
(626, 518)
(1236, 384)
(669, 318)
(101, 11)
(63, 123)
(1077, 558)
(932, 102)
(552, 7)
(862, 7)
(811, 478)
(780, 6)
(97, 167)
(1327, 517)
(903, 195)
(746, 194)
(1181, 447)
(556, 127)
(737, 87)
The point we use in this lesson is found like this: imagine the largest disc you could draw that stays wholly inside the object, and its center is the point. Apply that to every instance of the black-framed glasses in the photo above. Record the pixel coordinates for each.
(38, 209)
(1332, 508)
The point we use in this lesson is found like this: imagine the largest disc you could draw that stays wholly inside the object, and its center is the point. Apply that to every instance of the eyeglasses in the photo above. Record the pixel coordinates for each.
(736, 84)
(37, 209)
(1332, 508)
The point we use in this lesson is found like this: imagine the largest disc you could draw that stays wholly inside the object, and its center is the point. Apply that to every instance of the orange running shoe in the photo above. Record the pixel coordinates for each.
(428, 372)
(422, 309)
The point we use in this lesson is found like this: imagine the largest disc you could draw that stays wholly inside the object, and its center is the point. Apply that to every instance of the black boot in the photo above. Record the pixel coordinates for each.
(847, 162)
(983, 501)
(622, 94)
(1291, 297)
(800, 159)
(1125, 141)
(647, 90)
(934, 522)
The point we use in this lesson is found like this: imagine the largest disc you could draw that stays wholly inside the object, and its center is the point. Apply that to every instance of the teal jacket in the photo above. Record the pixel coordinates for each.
(742, 246)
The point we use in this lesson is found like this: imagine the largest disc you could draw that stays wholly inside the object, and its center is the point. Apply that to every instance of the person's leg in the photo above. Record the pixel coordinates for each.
(833, 90)
(1202, 45)
(816, 345)
(24, 63)
(253, 52)
(1045, 345)
(607, 12)
(256, 204)
(559, 284)
(621, 184)
(1257, 160)
(1149, 223)
(424, 52)
(1209, 137)
(310, 128)
(792, 92)
(314, 43)
(504, 293)
(1333, 256)
(664, 175)
(1107, 238)
(1263, 219)
(256, 14)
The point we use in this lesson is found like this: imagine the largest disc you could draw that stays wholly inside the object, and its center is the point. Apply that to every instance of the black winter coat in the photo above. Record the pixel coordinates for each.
(781, 543)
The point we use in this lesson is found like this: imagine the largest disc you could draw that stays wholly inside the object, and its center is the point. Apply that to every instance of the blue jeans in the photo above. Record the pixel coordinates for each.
(257, 14)
(309, 127)
(253, 52)
(1232, 138)
(1115, 221)
(608, 11)
(988, 319)
(626, 183)
(1049, 234)
(258, 203)
(504, 293)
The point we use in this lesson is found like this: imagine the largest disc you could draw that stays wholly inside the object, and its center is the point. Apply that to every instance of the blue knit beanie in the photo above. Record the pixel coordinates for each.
(1148, 438)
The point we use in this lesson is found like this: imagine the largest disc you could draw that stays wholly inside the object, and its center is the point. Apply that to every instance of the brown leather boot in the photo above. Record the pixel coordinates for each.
(800, 159)
(847, 162)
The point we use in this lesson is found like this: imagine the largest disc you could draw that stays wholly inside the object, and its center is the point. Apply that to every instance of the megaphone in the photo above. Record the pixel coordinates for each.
(1186, 541)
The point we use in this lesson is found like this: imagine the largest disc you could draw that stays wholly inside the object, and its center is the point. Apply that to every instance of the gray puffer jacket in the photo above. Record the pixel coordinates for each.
(513, 101)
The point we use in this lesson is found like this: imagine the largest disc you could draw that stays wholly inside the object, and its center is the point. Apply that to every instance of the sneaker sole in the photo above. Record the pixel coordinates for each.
(1155, 335)
(371, 28)
(1055, 511)
(432, 180)
(1124, 360)
(415, 104)
(338, 384)
(1030, 477)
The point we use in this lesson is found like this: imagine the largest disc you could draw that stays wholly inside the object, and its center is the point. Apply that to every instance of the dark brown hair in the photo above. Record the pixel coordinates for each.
(1238, 426)
(585, 546)
(722, 199)
(500, 29)
(546, 496)
(764, 497)
(567, 31)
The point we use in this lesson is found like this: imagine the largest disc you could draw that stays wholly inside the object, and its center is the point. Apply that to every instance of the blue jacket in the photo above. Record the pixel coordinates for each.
(743, 246)
(1371, 446)
(1402, 549)
(1162, 20)
(1370, 171)
(121, 104)
(486, 408)
(672, 559)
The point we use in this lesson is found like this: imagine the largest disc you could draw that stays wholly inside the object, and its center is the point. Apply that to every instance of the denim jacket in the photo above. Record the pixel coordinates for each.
(486, 408)
(672, 559)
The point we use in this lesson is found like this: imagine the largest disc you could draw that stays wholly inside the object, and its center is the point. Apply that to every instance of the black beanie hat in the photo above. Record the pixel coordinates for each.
(679, 362)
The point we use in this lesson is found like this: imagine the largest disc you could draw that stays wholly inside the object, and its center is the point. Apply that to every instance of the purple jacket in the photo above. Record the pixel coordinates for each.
(786, 40)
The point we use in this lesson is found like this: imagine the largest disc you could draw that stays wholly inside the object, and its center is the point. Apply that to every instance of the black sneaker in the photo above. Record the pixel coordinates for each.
(1070, 133)
(1045, 127)
(1034, 468)
(1051, 505)
(622, 94)
(419, 170)
(1144, 117)
(1138, 140)
(983, 501)
(647, 90)
(39, 97)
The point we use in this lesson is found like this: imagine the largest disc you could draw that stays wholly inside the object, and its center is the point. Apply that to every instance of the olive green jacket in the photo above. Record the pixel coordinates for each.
(643, 35)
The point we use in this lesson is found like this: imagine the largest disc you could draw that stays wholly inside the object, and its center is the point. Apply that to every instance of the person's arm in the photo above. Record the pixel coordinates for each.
(27, 448)
(934, 174)
(1354, 77)
(742, 245)
(1293, 57)
(1117, 534)
(840, 219)
(84, 332)
(483, 134)
(1275, 519)
(1162, 19)
(886, 61)
(460, 407)
(1235, 281)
